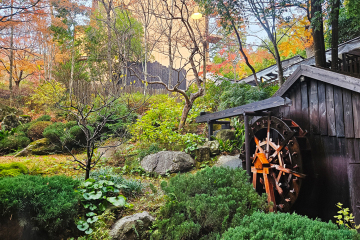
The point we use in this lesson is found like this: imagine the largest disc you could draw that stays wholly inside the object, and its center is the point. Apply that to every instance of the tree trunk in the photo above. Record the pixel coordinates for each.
(244, 55)
(11, 56)
(318, 34)
(279, 66)
(334, 34)
(186, 110)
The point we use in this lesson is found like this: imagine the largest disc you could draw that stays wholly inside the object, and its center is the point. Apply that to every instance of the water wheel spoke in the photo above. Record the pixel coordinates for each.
(283, 144)
(287, 170)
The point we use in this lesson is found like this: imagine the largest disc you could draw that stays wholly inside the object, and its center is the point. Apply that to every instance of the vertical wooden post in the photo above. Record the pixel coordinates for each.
(210, 129)
(247, 145)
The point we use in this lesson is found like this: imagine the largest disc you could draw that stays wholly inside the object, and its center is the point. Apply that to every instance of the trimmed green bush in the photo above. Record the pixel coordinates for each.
(272, 226)
(23, 128)
(206, 204)
(65, 134)
(49, 204)
(14, 142)
(12, 169)
(36, 130)
(43, 118)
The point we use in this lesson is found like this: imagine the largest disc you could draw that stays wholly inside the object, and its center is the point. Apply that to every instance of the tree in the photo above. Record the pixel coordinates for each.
(232, 19)
(187, 53)
(102, 104)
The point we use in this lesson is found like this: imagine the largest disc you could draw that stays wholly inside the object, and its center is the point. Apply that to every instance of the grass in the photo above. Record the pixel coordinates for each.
(47, 165)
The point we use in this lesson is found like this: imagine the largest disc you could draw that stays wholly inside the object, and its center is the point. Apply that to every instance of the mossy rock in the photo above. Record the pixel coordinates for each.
(24, 119)
(9, 122)
(225, 134)
(12, 169)
(40, 147)
(6, 110)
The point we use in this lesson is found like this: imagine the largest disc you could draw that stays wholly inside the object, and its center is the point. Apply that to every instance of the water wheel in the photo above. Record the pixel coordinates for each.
(276, 149)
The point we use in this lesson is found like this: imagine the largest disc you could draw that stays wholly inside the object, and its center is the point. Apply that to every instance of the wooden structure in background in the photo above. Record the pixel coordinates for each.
(326, 105)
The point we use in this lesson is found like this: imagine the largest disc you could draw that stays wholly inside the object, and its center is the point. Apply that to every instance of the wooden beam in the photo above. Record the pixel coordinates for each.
(252, 107)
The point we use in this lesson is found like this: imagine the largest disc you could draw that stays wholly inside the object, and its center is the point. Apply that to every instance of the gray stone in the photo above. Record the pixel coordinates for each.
(9, 122)
(226, 134)
(229, 161)
(132, 227)
(42, 146)
(167, 162)
(214, 147)
(202, 154)
(109, 150)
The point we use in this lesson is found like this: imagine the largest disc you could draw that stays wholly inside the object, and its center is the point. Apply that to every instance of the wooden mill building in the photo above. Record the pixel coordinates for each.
(320, 111)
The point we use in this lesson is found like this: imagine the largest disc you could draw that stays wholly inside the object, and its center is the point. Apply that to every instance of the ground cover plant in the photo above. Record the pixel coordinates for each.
(205, 204)
(48, 204)
(48, 165)
(278, 226)
(12, 169)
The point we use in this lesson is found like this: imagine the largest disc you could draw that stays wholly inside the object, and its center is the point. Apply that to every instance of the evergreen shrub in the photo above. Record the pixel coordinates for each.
(12, 169)
(14, 142)
(272, 226)
(205, 204)
(65, 134)
(49, 204)
(160, 125)
(241, 94)
(35, 131)
(44, 118)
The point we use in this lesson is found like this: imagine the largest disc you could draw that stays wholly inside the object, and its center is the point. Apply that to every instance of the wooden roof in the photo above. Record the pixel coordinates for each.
(327, 76)
(251, 107)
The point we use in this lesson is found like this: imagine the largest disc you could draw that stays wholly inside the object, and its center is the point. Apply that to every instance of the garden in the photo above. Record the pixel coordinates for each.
(98, 109)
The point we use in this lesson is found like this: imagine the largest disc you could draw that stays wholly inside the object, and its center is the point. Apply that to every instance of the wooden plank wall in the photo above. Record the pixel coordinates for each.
(331, 115)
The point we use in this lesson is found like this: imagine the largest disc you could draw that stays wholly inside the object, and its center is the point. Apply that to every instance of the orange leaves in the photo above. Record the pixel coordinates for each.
(299, 37)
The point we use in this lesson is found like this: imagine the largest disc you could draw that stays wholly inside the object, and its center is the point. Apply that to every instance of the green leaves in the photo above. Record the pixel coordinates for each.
(82, 225)
(204, 203)
(96, 195)
(269, 226)
(345, 218)
(118, 201)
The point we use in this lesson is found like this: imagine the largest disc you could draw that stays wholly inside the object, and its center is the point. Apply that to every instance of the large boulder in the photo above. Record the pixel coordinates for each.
(167, 162)
(226, 134)
(214, 147)
(132, 227)
(5, 110)
(40, 147)
(229, 161)
(9, 122)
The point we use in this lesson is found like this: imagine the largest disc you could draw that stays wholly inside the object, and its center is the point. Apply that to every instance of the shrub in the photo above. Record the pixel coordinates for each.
(12, 169)
(153, 148)
(14, 142)
(241, 94)
(117, 123)
(23, 128)
(205, 204)
(65, 134)
(36, 130)
(47, 203)
(107, 173)
(286, 226)
(43, 118)
(160, 125)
